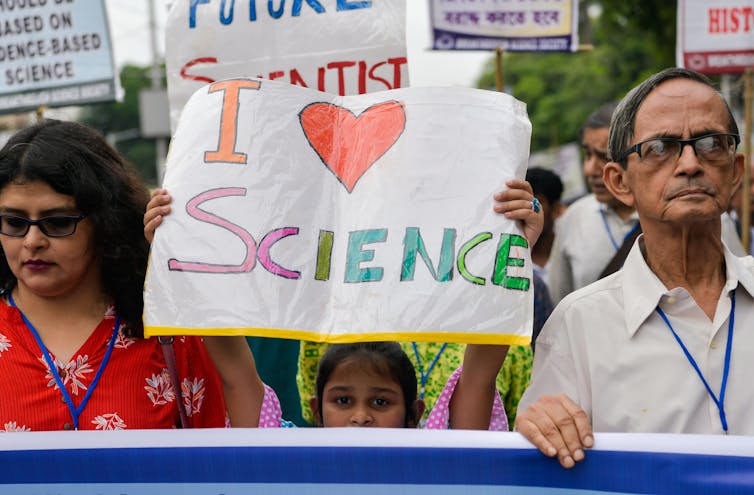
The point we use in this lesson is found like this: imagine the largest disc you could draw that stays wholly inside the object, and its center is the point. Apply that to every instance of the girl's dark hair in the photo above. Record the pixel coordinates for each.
(386, 358)
(75, 160)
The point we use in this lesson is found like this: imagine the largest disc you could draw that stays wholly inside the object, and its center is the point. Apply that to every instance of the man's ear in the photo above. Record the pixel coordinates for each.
(415, 414)
(316, 412)
(615, 178)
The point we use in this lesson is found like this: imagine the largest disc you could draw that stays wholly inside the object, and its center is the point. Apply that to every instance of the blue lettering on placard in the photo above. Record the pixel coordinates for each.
(192, 11)
(275, 8)
(318, 8)
(223, 19)
(353, 5)
(276, 14)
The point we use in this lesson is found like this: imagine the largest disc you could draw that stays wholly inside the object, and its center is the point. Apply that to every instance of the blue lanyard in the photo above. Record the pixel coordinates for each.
(610, 233)
(721, 402)
(425, 376)
(75, 411)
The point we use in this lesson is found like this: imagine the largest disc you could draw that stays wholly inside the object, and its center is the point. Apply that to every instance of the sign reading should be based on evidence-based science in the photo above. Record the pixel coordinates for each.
(343, 47)
(515, 26)
(306, 215)
(715, 36)
(54, 53)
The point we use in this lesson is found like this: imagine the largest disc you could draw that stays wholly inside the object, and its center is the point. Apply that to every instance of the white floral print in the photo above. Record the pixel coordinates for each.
(11, 426)
(4, 343)
(193, 395)
(160, 389)
(109, 422)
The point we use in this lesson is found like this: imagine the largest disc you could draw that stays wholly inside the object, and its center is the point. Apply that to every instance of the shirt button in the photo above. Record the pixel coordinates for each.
(671, 300)
(63, 374)
(713, 345)
(63, 400)
(67, 426)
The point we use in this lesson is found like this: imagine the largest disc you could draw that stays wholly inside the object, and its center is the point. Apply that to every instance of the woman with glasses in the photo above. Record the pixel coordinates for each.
(72, 352)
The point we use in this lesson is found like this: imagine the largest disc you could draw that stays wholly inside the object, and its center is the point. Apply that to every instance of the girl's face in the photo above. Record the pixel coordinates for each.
(356, 395)
(43, 265)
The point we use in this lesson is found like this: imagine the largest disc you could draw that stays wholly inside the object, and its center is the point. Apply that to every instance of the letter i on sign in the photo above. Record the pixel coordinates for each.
(225, 151)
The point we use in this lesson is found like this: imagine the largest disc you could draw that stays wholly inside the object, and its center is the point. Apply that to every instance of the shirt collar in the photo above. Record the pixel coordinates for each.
(642, 290)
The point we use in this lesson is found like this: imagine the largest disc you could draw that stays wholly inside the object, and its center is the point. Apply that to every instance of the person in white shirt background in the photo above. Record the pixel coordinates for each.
(597, 217)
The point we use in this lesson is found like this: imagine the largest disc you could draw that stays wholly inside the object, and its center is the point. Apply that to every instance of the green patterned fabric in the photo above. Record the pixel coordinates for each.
(511, 381)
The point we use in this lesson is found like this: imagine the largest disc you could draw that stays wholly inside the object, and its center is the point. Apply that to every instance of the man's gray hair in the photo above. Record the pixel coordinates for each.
(624, 117)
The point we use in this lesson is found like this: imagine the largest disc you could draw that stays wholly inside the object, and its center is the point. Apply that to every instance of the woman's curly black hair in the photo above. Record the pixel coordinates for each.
(75, 160)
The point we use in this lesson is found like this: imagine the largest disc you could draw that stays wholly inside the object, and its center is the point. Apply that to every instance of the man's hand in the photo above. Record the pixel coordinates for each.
(557, 426)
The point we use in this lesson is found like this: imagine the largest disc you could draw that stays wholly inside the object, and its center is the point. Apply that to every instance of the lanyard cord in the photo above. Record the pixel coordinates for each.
(610, 233)
(719, 403)
(425, 376)
(75, 411)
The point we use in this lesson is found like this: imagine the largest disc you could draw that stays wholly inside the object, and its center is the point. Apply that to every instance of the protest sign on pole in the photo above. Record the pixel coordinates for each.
(305, 215)
(54, 53)
(715, 36)
(531, 26)
(336, 46)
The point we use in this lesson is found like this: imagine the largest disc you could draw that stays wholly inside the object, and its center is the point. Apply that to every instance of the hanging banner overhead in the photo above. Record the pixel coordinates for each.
(715, 36)
(310, 216)
(342, 47)
(515, 26)
(54, 53)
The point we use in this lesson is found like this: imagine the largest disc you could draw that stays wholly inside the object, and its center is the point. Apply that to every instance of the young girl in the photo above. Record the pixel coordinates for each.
(374, 384)
(72, 354)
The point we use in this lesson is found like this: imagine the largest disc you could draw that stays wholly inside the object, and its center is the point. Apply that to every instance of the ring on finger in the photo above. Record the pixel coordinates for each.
(536, 206)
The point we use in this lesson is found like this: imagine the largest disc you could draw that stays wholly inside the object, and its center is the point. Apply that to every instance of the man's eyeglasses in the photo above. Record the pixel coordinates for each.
(52, 226)
(713, 149)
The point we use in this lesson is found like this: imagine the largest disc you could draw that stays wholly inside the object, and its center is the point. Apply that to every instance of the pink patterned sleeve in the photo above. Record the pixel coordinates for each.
(271, 414)
(439, 418)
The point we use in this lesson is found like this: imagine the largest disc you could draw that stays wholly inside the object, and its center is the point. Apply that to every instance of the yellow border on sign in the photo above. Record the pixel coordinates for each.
(458, 337)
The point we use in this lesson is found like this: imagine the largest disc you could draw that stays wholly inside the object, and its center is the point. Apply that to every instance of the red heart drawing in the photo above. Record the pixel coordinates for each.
(348, 145)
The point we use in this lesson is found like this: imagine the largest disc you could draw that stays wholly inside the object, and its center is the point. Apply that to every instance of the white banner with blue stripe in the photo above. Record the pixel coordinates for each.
(346, 461)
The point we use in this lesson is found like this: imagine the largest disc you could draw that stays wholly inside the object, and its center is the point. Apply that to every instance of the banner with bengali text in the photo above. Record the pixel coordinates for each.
(515, 26)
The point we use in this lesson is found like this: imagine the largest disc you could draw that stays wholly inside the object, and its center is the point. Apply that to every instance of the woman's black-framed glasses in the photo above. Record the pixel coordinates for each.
(714, 149)
(52, 226)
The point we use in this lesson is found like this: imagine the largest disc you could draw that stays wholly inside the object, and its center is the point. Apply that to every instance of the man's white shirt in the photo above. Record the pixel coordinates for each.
(608, 349)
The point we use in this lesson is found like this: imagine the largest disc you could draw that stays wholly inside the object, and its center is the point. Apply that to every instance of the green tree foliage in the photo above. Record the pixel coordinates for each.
(631, 40)
(122, 118)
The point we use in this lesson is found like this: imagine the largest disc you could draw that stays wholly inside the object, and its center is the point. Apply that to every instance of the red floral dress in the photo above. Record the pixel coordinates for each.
(133, 392)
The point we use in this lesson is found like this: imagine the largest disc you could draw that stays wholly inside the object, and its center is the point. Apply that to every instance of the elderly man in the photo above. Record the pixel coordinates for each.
(663, 345)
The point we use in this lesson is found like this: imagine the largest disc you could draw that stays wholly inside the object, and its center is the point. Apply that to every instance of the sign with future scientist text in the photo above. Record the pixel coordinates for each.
(54, 53)
(343, 47)
(305, 215)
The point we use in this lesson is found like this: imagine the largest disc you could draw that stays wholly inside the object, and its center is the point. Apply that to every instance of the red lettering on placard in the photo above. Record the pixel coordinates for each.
(344, 76)
(733, 20)
(196, 61)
